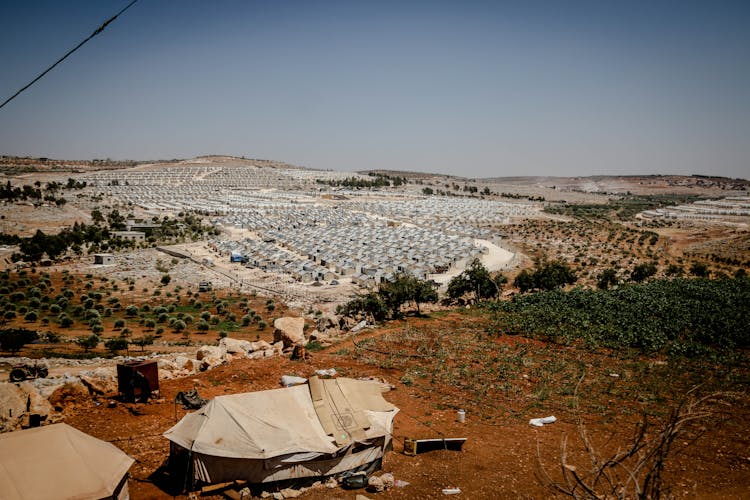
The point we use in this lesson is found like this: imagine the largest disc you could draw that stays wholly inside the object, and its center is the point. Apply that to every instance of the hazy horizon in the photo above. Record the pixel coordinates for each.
(476, 89)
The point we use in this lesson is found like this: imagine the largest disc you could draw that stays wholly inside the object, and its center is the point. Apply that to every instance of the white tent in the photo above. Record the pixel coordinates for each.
(324, 428)
(60, 462)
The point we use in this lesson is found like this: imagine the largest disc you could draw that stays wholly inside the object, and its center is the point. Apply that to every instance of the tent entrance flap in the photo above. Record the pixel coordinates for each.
(338, 416)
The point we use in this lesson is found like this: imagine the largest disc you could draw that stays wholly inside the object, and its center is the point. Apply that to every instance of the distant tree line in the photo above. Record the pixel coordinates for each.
(36, 194)
(379, 180)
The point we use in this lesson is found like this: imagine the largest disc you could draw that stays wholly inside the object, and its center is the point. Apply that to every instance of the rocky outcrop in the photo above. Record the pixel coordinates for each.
(290, 331)
(100, 381)
(13, 402)
(235, 346)
(18, 402)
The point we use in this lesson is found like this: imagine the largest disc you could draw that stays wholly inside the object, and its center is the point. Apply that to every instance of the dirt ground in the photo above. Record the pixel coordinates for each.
(499, 460)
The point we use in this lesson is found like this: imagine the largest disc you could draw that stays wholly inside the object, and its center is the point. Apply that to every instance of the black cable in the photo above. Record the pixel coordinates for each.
(92, 35)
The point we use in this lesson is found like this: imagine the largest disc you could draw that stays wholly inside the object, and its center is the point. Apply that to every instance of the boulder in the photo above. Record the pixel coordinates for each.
(359, 326)
(165, 364)
(290, 331)
(209, 362)
(37, 403)
(259, 345)
(235, 346)
(211, 351)
(69, 392)
(100, 380)
(46, 386)
(13, 403)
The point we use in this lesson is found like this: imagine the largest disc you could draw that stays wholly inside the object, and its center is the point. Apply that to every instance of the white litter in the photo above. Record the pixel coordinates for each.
(290, 380)
(330, 372)
(451, 491)
(541, 422)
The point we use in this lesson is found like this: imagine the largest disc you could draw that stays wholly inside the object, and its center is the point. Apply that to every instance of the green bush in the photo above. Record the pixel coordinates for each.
(679, 316)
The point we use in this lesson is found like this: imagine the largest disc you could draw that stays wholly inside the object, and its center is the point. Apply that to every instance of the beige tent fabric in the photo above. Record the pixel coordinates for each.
(278, 434)
(340, 405)
(59, 462)
(254, 425)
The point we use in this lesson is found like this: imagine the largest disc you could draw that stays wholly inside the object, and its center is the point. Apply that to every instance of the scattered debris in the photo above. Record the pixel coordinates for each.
(541, 422)
(417, 446)
(381, 483)
(355, 481)
(330, 372)
(331, 483)
(451, 491)
(384, 385)
(291, 380)
(190, 400)
(26, 371)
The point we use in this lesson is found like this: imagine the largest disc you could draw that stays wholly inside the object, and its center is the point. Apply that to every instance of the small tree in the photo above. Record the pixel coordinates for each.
(643, 271)
(404, 288)
(88, 342)
(116, 344)
(65, 320)
(371, 304)
(202, 326)
(13, 340)
(699, 269)
(142, 342)
(607, 278)
(545, 276)
(476, 280)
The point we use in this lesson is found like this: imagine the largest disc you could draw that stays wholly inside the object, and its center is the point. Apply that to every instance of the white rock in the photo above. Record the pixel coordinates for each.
(259, 345)
(235, 346)
(13, 403)
(290, 331)
(290, 493)
(209, 351)
(359, 326)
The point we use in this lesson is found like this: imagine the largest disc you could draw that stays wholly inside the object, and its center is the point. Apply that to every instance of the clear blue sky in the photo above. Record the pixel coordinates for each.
(471, 88)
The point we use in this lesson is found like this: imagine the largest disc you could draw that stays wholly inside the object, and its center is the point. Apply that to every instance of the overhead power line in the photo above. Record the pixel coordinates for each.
(92, 35)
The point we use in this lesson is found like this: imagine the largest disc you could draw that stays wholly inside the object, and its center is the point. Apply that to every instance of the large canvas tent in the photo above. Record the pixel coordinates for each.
(322, 428)
(58, 461)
